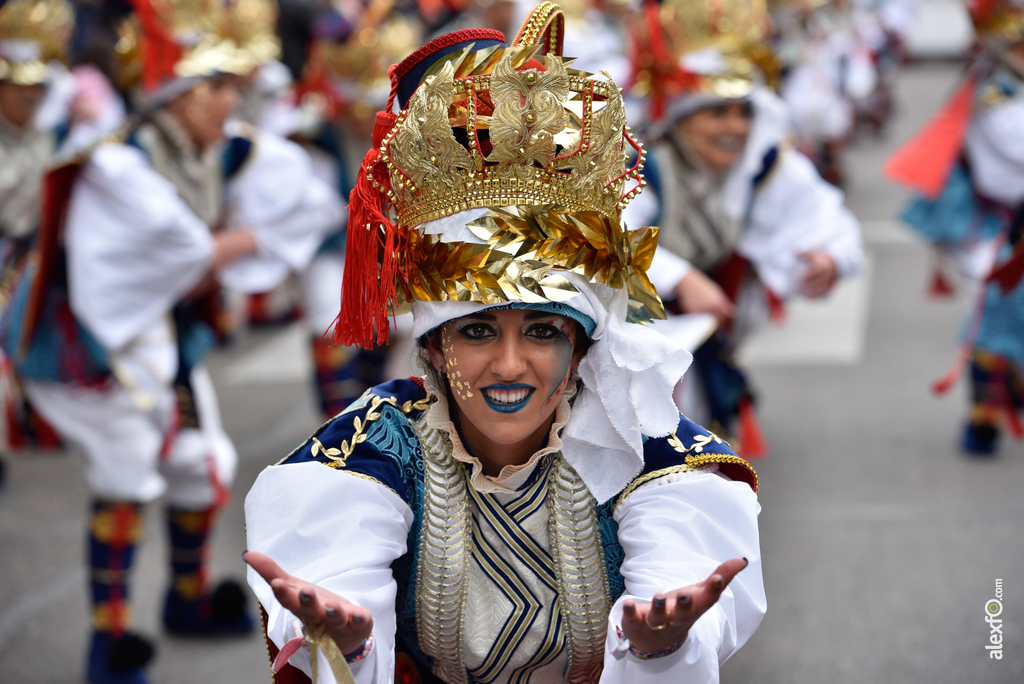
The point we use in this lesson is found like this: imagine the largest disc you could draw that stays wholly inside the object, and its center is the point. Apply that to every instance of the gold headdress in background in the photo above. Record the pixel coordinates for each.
(999, 20)
(731, 36)
(33, 33)
(513, 130)
(165, 40)
(252, 26)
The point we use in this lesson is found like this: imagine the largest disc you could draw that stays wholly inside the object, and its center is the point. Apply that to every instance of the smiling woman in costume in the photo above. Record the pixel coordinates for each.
(534, 508)
(746, 221)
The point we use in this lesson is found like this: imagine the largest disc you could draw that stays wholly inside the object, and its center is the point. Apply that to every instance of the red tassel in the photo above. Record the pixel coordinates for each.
(940, 287)
(925, 161)
(374, 244)
(752, 444)
(1013, 420)
(776, 307)
(1008, 274)
(946, 382)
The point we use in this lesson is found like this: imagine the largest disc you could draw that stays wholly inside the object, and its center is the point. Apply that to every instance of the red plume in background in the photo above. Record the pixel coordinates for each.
(159, 52)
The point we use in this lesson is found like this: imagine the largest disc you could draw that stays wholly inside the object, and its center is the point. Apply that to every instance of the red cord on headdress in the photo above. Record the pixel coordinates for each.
(158, 51)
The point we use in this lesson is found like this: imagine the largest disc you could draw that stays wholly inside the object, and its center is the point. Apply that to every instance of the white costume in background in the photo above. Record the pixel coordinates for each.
(134, 250)
(789, 211)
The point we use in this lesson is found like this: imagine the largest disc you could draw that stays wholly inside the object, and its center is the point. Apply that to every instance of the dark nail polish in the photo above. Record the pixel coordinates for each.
(331, 612)
(746, 561)
(628, 607)
(304, 597)
(243, 553)
(659, 601)
(357, 620)
(684, 598)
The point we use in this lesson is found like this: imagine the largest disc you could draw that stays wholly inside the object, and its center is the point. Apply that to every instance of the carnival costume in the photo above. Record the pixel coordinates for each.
(747, 226)
(830, 73)
(33, 44)
(109, 319)
(500, 184)
(967, 167)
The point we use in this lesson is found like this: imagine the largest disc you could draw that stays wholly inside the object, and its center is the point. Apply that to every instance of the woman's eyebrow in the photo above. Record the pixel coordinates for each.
(539, 314)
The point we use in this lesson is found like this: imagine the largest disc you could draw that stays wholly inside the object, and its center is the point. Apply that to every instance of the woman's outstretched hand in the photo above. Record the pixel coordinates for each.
(666, 620)
(316, 607)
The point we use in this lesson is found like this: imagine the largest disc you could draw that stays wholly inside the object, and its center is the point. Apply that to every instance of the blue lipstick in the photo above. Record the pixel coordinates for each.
(508, 408)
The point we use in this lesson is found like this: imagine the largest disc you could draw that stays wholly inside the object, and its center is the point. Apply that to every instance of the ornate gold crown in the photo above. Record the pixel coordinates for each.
(168, 39)
(531, 136)
(515, 130)
(32, 34)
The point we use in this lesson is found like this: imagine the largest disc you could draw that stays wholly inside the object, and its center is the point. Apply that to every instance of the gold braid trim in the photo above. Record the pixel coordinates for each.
(444, 556)
(583, 593)
(644, 479)
(693, 463)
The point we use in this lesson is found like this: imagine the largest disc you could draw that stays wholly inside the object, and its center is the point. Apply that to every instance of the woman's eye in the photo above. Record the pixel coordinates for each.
(476, 331)
(543, 331)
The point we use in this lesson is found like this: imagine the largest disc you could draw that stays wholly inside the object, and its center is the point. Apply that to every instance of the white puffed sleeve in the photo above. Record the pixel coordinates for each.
(134, 248)
(995, 150)
(340, 532)
(278, 197)
(794, 211)
(675, 531)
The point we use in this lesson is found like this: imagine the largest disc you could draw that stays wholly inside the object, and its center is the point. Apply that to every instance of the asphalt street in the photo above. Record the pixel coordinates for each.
(881, 543)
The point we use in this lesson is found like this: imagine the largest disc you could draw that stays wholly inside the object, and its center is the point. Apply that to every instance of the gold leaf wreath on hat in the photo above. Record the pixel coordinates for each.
(523, 249)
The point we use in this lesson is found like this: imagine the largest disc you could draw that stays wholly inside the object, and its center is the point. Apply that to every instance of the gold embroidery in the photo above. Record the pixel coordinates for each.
(698, 445)
(339, 457)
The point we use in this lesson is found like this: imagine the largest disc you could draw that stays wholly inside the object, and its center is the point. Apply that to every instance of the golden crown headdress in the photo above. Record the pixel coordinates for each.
(1001, 20)
(351, 56)
(252, 25)
(514, 130)
(737, 30)
(33, 33)
(165, 40)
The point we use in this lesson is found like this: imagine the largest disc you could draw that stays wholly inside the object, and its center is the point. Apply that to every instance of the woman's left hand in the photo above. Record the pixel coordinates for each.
(666, 620)
(819, 276)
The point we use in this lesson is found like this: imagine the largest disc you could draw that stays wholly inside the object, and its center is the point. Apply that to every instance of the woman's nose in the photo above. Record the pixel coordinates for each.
(508, 363)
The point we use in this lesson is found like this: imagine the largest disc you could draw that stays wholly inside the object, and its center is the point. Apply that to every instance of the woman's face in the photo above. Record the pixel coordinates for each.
(718, 134)
(507, 370)
(204, 110)
(18, 103)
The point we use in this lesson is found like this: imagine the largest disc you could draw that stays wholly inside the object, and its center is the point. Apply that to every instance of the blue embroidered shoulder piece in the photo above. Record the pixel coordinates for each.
(689, 447)
(373, 438)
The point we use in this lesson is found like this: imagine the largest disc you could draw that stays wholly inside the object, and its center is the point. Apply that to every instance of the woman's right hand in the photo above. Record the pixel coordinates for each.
(698, 293)
(316, 607)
